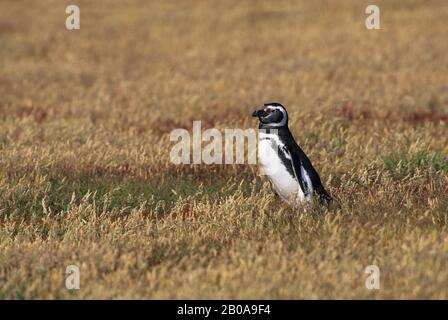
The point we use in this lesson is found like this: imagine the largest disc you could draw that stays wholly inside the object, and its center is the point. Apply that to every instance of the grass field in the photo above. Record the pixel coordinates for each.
(86, 178)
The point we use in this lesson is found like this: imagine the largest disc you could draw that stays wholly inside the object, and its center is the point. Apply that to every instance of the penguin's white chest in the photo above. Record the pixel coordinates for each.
(285, 183)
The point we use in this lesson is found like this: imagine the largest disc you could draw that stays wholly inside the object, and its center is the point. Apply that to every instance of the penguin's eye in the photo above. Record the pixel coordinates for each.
(269, 111)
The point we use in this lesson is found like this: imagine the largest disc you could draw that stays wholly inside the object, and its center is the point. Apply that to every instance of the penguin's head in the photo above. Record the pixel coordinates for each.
(272, 115)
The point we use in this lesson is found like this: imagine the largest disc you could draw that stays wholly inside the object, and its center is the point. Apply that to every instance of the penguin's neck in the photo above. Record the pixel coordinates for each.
(268, 129)
(282, 133)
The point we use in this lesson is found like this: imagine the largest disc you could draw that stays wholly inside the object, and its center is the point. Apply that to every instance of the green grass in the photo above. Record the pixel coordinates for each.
(406, 163)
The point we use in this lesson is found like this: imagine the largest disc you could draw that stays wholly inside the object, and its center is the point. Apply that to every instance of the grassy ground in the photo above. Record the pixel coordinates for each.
(85, 176)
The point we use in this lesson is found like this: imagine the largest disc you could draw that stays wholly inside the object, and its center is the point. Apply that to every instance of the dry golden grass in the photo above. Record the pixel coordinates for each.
(85, 176)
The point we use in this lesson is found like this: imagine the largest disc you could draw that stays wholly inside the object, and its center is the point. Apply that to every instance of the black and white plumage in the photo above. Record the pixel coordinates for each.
(288, 168)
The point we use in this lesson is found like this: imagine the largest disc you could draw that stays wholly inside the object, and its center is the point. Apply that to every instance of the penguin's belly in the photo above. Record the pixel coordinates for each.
(285, 184)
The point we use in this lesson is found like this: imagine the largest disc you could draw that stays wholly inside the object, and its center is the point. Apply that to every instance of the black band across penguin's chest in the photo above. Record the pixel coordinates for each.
(293, 166)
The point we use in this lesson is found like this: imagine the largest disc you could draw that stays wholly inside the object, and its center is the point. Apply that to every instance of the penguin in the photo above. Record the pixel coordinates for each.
(282, 160)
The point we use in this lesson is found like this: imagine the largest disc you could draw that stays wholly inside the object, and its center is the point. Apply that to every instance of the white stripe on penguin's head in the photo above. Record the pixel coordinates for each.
(277, 116)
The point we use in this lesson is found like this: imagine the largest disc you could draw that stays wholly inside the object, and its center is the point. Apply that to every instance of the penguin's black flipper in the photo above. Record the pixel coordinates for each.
(301, 162)
(296, 169)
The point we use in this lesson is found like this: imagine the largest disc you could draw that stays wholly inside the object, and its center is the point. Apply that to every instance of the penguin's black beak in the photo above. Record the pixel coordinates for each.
(259, 113)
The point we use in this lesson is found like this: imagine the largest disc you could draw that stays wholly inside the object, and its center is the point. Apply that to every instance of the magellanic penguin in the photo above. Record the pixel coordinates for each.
(285, 164)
